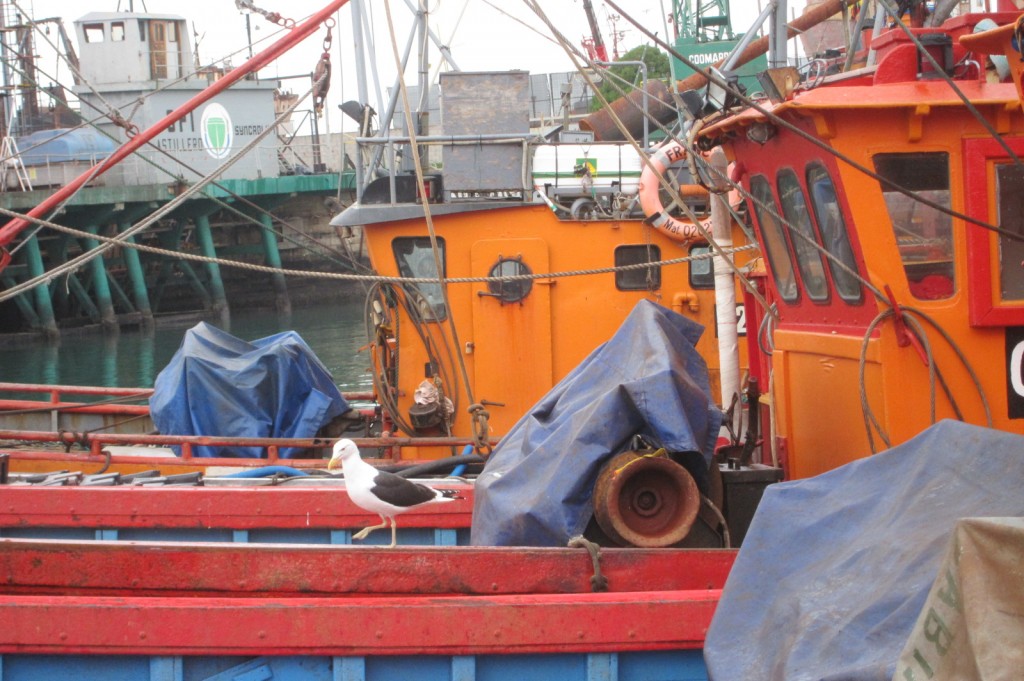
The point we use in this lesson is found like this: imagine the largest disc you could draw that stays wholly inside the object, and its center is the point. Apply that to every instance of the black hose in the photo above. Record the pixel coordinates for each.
(432, 467)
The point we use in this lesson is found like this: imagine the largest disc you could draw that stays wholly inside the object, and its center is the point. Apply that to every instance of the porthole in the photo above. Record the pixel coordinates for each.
(509, 291)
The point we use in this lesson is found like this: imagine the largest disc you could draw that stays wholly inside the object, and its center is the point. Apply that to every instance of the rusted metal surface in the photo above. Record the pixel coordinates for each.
(652, 620)
(210, 507)
(92, 568)
(646, 501)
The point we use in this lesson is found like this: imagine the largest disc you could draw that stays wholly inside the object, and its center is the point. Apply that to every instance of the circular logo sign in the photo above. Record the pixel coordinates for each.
(216, 127)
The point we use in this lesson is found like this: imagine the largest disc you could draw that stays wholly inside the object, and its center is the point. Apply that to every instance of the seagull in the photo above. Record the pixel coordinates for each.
(380, 492)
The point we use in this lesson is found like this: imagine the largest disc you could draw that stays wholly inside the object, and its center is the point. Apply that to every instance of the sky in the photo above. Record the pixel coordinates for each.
(483, 35)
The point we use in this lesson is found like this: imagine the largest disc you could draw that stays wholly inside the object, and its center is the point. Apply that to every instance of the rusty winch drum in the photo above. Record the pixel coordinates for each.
(646, 501)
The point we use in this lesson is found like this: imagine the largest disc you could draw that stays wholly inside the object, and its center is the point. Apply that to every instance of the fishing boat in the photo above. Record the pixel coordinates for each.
(496, 611)
(882, 199)
(888, 304)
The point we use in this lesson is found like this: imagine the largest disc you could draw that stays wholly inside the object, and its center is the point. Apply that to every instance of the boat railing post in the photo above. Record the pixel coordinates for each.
(391, 172)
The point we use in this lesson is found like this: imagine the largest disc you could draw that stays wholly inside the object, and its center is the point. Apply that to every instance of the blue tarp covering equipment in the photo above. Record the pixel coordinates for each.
(834, 569)
(648, 379)
(217, 384)
(64, 145)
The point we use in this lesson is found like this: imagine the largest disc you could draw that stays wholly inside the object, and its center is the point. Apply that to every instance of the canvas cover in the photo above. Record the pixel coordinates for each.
(835, 569)
(216, 384)
(971, 627)
(648, 379)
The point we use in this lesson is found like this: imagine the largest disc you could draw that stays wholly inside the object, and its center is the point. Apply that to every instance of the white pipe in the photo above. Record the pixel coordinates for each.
(725, 286)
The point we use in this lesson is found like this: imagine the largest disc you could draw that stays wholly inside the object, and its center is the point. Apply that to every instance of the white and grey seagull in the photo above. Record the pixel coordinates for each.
(380, 492)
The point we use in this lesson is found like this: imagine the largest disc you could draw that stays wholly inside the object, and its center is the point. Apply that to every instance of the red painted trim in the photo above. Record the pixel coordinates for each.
(985, 310)
(74, 407)
(137, 569)
(211, 507)
(55, 391)
(409, 625)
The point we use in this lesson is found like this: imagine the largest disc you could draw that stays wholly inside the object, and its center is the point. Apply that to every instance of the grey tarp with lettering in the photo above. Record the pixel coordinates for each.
(971, 628)
(835, 569)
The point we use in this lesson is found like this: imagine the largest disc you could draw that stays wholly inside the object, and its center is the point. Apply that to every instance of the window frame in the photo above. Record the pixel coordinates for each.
(986, 307)
(654, 252)
(439, 313)
(804, 253)
(837, 274)
(924, 265)
(770, 253)
(89, 32)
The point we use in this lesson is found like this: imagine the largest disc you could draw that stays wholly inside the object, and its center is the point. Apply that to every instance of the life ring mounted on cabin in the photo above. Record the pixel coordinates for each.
(650, 202)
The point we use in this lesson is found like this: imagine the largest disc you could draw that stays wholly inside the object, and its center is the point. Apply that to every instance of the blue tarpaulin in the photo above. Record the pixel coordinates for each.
(648, 379)
(217, 384)
(834, 569)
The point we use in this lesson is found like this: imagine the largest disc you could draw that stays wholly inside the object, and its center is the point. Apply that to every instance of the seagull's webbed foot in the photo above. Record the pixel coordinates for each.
(365, 532)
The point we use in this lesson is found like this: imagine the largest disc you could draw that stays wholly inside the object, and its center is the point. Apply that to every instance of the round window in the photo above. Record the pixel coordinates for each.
(509, 291)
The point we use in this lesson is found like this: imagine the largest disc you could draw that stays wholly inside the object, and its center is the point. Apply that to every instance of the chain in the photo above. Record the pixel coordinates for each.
(272, 17)
(322, 73)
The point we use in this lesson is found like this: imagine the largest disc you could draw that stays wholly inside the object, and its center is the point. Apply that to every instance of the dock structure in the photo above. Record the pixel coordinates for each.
(127, 286)
(267, 193)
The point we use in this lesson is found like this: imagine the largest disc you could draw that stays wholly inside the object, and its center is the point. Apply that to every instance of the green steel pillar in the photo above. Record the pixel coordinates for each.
(273, 259)
(138, 280)
(220, 298)
(44, 306)
(100, 285)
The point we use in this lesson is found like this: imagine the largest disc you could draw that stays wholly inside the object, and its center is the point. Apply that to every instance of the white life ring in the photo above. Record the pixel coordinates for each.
(650, 202)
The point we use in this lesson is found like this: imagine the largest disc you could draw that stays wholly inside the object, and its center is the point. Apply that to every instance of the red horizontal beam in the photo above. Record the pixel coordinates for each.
(102, 391)
(132, 569)
(248, 508)
(459, 625)
(55, 390)
(73, 408)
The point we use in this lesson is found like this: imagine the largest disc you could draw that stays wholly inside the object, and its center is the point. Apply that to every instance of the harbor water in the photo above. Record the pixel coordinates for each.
(132, 359)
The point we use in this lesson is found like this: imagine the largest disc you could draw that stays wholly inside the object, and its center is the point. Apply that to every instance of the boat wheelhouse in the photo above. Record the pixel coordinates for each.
(885, 200)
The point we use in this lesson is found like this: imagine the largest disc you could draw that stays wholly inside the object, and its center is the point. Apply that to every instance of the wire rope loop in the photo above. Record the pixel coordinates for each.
(598, 582)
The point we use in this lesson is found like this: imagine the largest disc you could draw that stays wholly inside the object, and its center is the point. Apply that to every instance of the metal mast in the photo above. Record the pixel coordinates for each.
(705, 20)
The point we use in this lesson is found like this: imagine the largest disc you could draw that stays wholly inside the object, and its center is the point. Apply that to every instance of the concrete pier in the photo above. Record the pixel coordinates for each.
(128, 287)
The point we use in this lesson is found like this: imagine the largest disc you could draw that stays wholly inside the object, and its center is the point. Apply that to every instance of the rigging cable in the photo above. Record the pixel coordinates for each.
(161, 212)
(349, 260)
(643, 153)
(713, 78)
(478, 413)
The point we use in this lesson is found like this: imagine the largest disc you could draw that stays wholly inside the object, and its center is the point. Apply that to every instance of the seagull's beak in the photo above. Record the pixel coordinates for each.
(333, 463)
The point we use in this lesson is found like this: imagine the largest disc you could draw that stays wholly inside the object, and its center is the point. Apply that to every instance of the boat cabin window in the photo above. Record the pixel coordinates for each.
(702, 272)
(640, 279)
(805, 242)
(767, 213)
(117, 31)
(834, 235)
(924, 234)
(93, 33)
(1010, 193)
(509, 291)
(415, 259)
